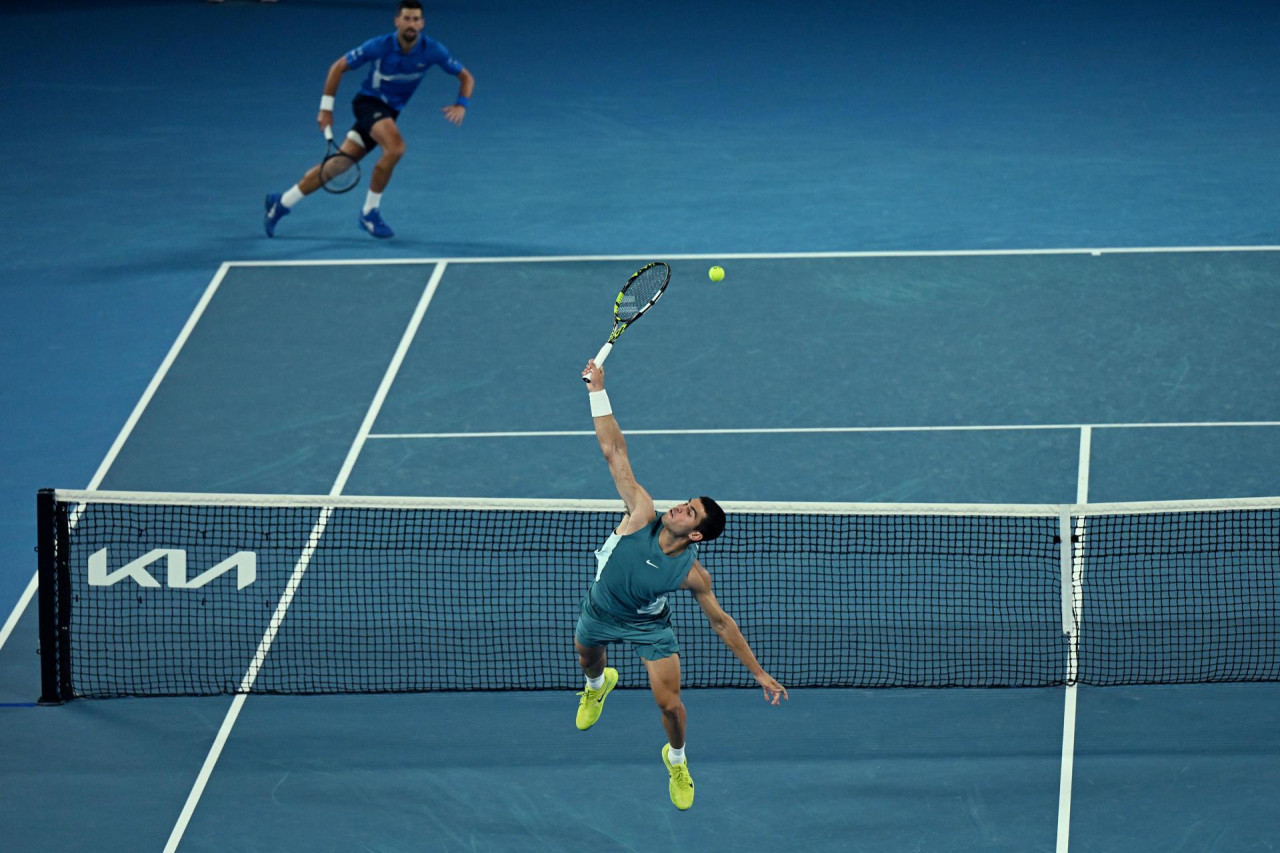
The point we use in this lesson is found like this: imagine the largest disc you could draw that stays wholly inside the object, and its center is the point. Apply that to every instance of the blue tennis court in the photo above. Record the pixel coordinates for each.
(993, 256)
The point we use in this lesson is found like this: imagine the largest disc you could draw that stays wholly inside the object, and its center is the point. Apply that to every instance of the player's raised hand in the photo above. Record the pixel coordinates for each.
(593, 376)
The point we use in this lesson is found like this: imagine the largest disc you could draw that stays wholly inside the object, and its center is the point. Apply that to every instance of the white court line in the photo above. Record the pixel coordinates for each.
(1082, 467)
(304, 560)
(23, 601)
(1075, 546)
(744, 256)
(127, 429)
(806, 430)
(1064, 782)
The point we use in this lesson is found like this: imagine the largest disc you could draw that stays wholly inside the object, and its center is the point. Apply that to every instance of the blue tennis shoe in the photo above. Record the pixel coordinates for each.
(275, 212)
(372, 222)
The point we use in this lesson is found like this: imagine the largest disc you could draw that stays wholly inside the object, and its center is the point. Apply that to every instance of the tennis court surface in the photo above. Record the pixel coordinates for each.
(986, 404)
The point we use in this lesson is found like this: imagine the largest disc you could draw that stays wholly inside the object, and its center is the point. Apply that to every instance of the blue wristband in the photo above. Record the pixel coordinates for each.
(462, 101)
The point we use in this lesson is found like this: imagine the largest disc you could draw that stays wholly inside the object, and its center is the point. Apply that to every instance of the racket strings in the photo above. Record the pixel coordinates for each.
(642, 290)
(339, 172)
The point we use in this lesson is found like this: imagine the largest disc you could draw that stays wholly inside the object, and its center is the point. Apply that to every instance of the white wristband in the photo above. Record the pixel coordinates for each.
(600, 404)
(326, 103)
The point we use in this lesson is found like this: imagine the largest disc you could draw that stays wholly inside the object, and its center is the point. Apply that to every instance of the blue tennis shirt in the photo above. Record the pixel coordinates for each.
(395, 75)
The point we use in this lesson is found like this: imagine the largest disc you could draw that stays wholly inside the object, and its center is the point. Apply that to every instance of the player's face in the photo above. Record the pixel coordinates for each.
(409, 24)
(684, 519)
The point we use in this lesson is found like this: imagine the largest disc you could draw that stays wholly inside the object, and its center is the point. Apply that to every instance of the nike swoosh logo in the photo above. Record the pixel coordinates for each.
(652, 563)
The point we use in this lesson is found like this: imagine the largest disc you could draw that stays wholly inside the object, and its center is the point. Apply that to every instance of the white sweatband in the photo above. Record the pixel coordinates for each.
(326, 103)
(599, 403)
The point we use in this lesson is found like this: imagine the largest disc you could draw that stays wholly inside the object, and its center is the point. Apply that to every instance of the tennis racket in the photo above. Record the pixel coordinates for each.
(638, 295)
(338, 171)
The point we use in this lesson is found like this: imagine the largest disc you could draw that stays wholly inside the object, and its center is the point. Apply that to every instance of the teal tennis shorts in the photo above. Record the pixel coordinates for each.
(652, 641)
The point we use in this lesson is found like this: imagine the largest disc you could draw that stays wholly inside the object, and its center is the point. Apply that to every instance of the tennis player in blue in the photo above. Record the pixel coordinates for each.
(648, 556)
(397, 64)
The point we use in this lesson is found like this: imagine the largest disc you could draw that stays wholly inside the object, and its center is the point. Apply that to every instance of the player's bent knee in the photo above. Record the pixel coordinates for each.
(589, 655)
(668, 702)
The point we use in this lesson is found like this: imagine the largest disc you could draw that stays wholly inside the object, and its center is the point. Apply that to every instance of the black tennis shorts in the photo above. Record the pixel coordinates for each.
(369, 111)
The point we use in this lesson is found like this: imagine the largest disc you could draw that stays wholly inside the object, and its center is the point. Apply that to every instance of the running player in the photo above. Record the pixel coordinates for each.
(646, 557)
(398, 61)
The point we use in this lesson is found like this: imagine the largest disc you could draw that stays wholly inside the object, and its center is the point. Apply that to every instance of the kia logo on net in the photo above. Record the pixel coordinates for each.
(245, 564)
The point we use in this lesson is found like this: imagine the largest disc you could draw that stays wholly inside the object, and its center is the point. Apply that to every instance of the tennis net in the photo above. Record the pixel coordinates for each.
(176, 594)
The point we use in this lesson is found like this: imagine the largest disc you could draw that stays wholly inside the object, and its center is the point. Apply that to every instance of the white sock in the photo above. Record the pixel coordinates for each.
(597, 682)
(675, 756)
(371, 201)
(292, 196)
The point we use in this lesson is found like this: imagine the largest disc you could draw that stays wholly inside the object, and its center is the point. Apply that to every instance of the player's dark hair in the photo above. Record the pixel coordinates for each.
(713, 525)
(408, 4)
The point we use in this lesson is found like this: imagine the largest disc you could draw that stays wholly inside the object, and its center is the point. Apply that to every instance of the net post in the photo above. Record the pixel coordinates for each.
(50, 549)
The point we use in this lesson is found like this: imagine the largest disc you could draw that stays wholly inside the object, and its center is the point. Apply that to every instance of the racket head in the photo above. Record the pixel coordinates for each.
(339, 173)
(641, 292)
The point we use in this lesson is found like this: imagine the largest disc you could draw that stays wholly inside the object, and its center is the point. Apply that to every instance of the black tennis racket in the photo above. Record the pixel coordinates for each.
(339, 172)
(638, 295)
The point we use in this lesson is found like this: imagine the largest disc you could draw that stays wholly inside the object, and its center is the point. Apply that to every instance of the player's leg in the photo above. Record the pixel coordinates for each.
(387, 135)
(664, 681)
(279, 205)
(590, 638)
(592, 659)
(601, 680)
(351, 146)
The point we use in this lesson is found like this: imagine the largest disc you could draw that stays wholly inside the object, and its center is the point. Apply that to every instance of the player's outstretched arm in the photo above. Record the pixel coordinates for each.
(699, 583)
(614, 447)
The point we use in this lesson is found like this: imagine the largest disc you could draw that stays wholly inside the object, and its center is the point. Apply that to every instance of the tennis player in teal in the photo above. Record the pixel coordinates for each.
(397, 63)
(648, 556)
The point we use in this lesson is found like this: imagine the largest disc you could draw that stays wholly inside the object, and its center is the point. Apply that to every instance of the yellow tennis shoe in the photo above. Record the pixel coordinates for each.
(681, 784)
(592, 702)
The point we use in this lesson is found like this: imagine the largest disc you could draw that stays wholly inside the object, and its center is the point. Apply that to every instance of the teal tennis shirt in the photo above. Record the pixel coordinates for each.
(633, 575)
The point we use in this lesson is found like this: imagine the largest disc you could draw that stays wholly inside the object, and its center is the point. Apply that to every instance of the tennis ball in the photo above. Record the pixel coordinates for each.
(715, 274)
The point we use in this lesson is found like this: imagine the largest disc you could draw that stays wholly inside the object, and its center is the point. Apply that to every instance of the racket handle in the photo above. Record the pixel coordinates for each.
(599, 359)
(328, 132)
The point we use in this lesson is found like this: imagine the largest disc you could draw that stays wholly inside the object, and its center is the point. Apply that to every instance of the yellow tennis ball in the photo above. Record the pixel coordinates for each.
(715, 274)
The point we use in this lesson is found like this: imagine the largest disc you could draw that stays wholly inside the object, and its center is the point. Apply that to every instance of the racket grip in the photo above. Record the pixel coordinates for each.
(328, 132)
(599, 359)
